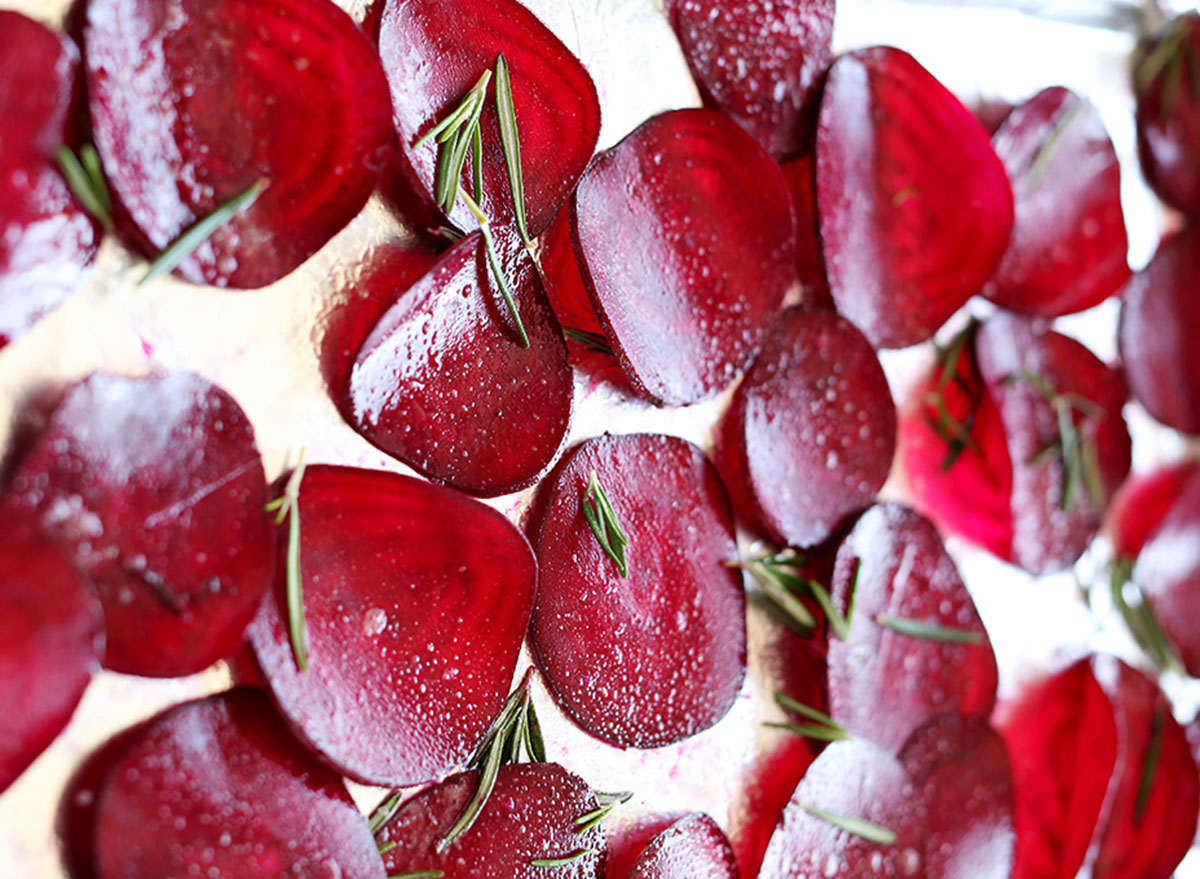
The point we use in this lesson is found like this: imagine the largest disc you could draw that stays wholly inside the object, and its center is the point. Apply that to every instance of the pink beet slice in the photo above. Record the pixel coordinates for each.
(434, 51)
(814, 426)
(220, 785)
(193, 103)
(853, 779)
(883, 682)
(915, 207)
(417, 599)
(657, 656)
(1160, 318)
(694, 847)
(443, 382)
(1141, 504)
(529, 816)
(1068, 246)
(1168, 112)
(154, 488)
(761, 66)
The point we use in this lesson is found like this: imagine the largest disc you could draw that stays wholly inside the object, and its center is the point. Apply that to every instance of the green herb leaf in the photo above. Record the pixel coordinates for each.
(1044, 155)
(563, 861)
(419, 874)
(384, 811)
(510, 143)
(779, 578)
(786, 701)
(593, 341)
(928, 631)
(608, 802)
(387, 846)
(837, 622)
(810, 731)
(86, 182)
(859, 827)
(1140, 619)
(287, 507)
(1150, 767)
(494, 262)
(602, 519)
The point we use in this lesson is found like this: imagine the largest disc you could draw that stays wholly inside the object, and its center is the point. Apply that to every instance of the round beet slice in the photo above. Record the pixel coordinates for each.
(154, 488)
(530, 816)
(654, 657)
(1068, 247)
(417, 599)
(685, 236)
(915, 207)
(444, 383)
(219, 785)
(814, 426)
(1142, 503)
(693, 847)
(194, 102)
(916, 647)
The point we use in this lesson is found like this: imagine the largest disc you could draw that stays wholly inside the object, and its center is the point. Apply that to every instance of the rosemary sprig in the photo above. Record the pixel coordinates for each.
(1143, 625)
(608, 802)
(419, 874)
(1150, 767)
(928, 631)
(183, 246)
(456, 135)
(86, 181)
(954, 433)
(510, 143)
(592, 341)
(1041, 161)
(825, 728)
(777, 575)
(387, 846)
(602, 519)
(384, 811)
(859, 827)
(494, 262)
(287, 506)
(563, 861)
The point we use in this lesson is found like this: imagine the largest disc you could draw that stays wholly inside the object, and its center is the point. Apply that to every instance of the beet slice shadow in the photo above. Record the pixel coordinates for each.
(193, 106)
(654, 657)
(693, 847)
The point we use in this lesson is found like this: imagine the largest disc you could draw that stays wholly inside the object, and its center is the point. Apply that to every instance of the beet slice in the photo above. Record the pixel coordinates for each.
(915, 207)
(417, 599)
(564, 283)
(766, 790)
(655, 657)
(885, 682)
(1160, 318)
(434, 51)
(761, 66)
(694, 847)
(219, 785)
(685, 236)
(193, 103)
(529, 816)
(853, 779)
(810, 265)
(1068, 246)
(1141, 504)
(444, 383)
(814, 426)
(37, 69)
(154, 488)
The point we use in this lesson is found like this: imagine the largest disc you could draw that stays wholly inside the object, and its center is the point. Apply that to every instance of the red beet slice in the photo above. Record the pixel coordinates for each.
(194, 103)
(655, 657)
(564, 283)
(37, 69)
(766, 790)
(761, 66)
(809, 263)
(685, 236)
(1168, 113)
(856, 780)
(1142, 503)
(814, 426)
(219, 785)
(154, 488)
(417, 599)
(883, 682)
(434, 51)
(694, 847)
(915, 207)
(529, 816)
(1160, 318)
(444, 383)
(1068, 246)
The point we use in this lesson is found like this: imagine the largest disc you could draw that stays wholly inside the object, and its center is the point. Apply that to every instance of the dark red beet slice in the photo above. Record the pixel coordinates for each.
(1168, 113)
(761, 66)
(915, 208)
(658, 656)
(814, 425)
(884, 683)
(685, 237)
(809, 264)
(417, 599)
(1160, 319)
(193, 103)
(564, 283)
(37, 69)
(220, 785)
(1068, 246)
(856, 780)
(694, 847)
(434, 51)
(1142, 502)
(154, 488)
(529, 816)
(444, 383)
(52, 637)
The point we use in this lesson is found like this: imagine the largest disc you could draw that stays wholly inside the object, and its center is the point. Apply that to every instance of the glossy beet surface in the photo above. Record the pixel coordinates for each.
(915, 208)
(684, 232)
(694, 847)
(194, 102)
(760, 65)
(1168, 112)
(444, 383)
(417, 599)
(1068, 247)
(655, 657)
(154, 488)
(434, 51)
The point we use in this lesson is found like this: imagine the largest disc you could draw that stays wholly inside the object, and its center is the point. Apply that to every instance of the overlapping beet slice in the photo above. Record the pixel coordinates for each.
(916, 647)
(444, 383)
(915, 207)
(530, 816)
(653, 657)
(434, 51)
(37, 69)
(693, 847)
(417, 599)
(685, 237)
(154, 489)
(810, 265)
(1068, 246)
(1141, 504)
(193, 103)
(760, 65)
